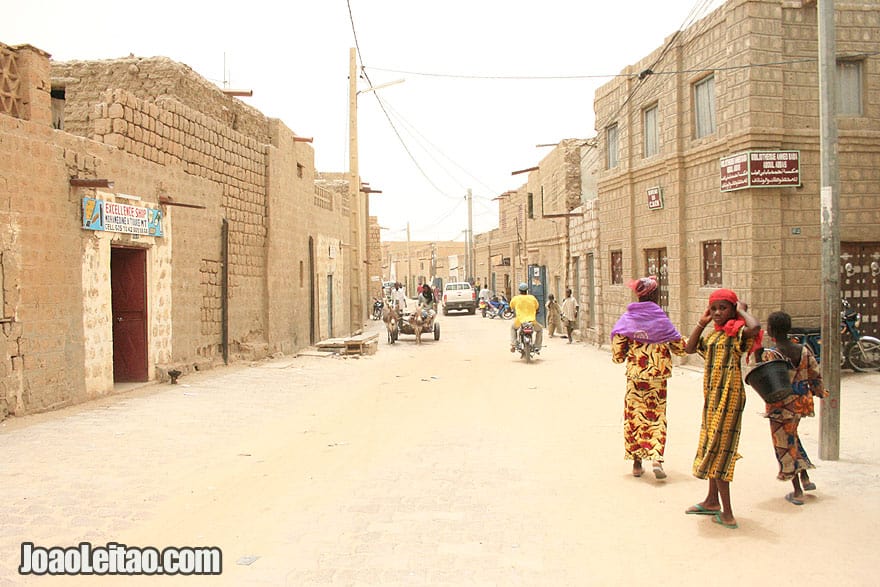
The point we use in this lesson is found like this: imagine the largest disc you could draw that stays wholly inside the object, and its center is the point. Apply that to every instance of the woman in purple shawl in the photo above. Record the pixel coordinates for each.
(645, 338)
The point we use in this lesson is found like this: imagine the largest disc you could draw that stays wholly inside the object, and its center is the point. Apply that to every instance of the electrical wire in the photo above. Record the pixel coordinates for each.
(436, 148)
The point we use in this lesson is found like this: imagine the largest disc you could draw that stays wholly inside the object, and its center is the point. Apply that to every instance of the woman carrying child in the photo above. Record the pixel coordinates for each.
(785, 415)
(734, 333)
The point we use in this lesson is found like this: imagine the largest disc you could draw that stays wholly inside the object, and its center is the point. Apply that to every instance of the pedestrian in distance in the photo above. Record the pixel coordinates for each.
(398, 297)
(570, 309)
(785, 415)
(553, 315)
(645, 339)
(734, 333)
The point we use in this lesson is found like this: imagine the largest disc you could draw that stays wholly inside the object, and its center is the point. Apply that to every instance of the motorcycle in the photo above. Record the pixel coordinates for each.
(484, 308)
(378, 305)
(500, 307)
(525, 341)
(862, 353)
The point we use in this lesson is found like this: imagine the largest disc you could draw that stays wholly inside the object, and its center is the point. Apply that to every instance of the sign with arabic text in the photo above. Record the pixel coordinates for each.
(99, 214)
(760, 169)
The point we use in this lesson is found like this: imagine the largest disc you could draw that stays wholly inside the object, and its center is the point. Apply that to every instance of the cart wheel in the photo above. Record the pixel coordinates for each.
(436, 332)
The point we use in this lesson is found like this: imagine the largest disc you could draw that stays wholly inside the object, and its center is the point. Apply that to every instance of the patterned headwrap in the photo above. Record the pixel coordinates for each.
(644, 286)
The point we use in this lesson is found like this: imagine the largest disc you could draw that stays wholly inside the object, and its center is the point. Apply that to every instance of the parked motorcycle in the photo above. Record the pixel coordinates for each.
(525, 337)
(501, 308)
(378, 305)
(860, 352)
(484, 308)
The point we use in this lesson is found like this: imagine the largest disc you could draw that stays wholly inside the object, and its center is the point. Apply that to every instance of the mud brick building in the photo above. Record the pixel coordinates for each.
(679, 133)
(151, 222)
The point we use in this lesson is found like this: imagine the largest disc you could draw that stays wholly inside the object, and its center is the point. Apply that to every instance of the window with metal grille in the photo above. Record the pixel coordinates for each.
(617, 267)
(712, 263)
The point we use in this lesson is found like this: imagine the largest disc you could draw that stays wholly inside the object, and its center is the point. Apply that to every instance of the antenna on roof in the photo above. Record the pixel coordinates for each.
(226, 89)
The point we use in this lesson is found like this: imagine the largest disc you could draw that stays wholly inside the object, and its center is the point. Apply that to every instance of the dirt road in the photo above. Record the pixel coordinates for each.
(452, 463)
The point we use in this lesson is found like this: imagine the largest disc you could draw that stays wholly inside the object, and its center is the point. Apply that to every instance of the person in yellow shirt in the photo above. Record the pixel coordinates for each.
(526, 307)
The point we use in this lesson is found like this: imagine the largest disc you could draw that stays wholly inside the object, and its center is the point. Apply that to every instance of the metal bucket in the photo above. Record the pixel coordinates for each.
(771, 380)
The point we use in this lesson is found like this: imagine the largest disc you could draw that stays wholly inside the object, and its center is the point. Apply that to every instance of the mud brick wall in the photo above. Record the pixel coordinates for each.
(169, 133)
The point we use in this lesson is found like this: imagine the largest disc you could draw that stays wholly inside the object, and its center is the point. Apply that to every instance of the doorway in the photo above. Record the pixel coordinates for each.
(860, 282)
(330, 306)
(313, 322)
(128, 290)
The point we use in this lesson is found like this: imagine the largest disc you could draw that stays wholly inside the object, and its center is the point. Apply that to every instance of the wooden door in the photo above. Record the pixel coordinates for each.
(128, 277)
(860, 282)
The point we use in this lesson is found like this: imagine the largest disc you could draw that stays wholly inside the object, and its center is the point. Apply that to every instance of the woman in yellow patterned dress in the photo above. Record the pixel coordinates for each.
(724, 398)
(645, 338)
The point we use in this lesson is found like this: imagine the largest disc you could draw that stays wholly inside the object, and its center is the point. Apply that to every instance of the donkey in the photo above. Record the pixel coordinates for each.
(390, 317)
(418, 324)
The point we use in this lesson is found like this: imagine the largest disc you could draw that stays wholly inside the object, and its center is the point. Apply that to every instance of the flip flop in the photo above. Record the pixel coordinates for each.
(717, 519)
(792, 499)
(699, 510)
(810, 486)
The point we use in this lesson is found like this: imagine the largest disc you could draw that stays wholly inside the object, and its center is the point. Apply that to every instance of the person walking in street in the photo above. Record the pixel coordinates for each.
(645, 338)
(526, 308)
(785, 415)
(570, 309)
(398, 297)
(734, 333)
(553, 314)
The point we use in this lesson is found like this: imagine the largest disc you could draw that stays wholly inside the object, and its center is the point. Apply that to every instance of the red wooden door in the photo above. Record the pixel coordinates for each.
(128, 276)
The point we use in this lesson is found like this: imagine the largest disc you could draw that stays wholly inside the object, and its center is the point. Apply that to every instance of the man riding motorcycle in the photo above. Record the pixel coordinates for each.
(526, 307)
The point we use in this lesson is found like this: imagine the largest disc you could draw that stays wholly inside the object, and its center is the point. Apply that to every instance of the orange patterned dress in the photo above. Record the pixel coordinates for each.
(648, 366)
(785, 415)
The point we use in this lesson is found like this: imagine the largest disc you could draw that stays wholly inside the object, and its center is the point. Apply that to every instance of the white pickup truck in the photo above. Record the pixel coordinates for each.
(459, 295)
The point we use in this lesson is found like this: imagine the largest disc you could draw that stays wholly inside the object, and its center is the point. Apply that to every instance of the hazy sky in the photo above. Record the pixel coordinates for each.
(460, 121)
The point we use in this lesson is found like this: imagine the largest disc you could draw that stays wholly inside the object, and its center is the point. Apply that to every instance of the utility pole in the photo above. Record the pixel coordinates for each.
(470, 234)
(409, 287)
(354, 191)
(829, 421)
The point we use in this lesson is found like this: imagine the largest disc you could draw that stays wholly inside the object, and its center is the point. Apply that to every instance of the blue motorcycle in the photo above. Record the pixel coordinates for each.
(498, 306)
(860, 352)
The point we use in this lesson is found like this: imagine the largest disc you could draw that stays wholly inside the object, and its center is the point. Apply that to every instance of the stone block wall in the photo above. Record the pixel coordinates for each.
(770, 246)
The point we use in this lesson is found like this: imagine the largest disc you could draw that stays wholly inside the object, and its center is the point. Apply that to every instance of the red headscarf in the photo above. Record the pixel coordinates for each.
(734, 324)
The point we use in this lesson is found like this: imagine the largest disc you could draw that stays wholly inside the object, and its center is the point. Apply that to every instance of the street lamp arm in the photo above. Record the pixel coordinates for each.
(380, 86)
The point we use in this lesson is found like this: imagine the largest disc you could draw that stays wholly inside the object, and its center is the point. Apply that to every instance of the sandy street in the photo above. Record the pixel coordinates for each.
(450, 463)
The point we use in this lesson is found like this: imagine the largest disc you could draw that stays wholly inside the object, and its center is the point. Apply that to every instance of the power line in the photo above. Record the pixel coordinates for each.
(436, 148)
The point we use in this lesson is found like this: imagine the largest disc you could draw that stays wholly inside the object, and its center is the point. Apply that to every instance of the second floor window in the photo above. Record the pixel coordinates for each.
(652, 137)
(849, 88)
(704, 107)
(611, 143)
